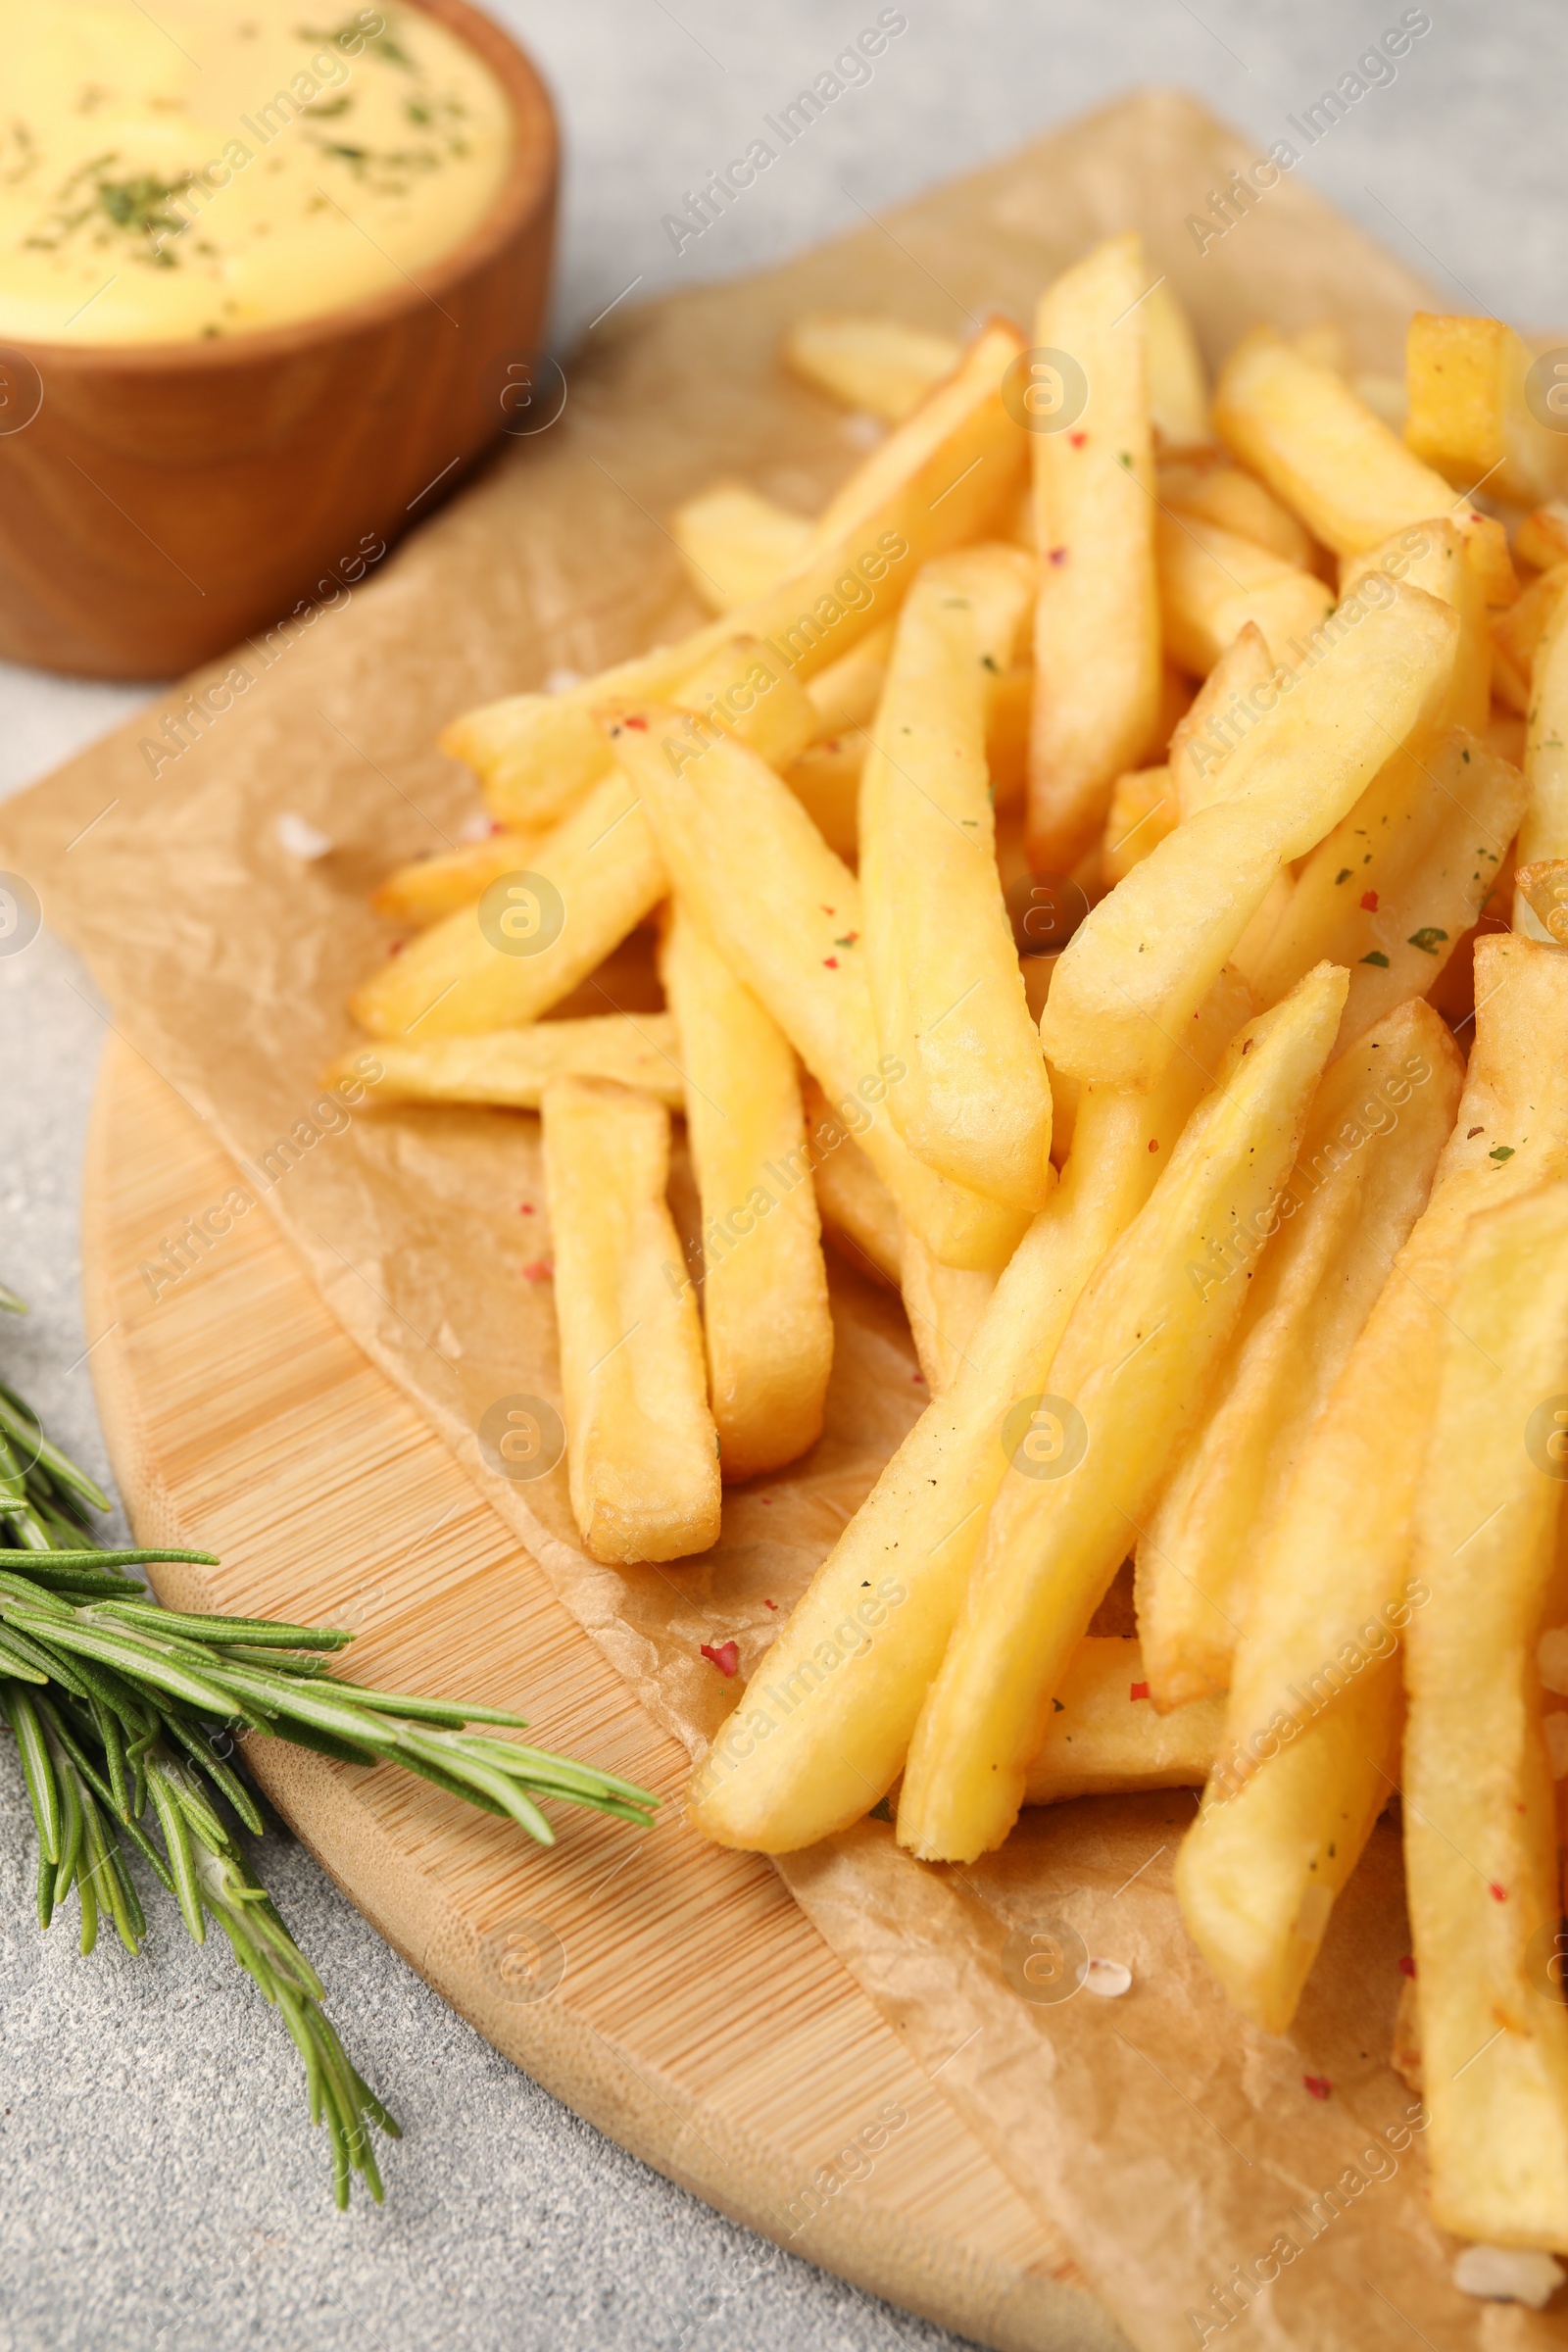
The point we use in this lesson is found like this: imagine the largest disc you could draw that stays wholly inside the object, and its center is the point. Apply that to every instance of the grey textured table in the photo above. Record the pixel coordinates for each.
(158, 2185)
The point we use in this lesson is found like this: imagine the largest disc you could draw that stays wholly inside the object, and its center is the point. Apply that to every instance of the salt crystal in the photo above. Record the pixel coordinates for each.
(561, 680)
(476, 826)
(1110, 1978)
(861, 431)
(297, 838)
(1508, 2275)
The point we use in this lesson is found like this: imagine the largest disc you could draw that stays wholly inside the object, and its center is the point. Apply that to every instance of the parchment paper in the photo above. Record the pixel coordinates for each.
(1169, 2139)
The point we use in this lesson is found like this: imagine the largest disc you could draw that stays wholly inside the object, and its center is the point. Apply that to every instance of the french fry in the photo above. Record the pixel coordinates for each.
(1336, 466)
(1223, 709)
(1124, 1382)
(1331, 1567)
(879, 366)
(847, 693)
(1237, 502)
(1105, 1738)
(935, 483)
(946, 990)
(1544, 888)
(822, 1729)
(511, 1067)
(1258, 1873)
(1178, 387)
(735, 544)
(1543, 833)
(1468, 415)
(858, 1212)
(1145, 955)
(1097, 622)
(767, 1328)
(1437, 557)
(641, 1449)
(1212, 583)
(785, 913)
(1517, 637)
(1400, 879)
(943, 1304)
(533, 936)
(826, 781)
(1479, 1827)
(1379, 1120)
(1542, 539)
(1142, 810)
(428, 888)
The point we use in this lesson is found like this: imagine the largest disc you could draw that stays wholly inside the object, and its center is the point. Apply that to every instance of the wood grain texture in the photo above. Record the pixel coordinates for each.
(167, 497)
(699, 2019)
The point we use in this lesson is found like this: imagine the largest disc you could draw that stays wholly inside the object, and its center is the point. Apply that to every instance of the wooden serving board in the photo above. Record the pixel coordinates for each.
(668, 1991)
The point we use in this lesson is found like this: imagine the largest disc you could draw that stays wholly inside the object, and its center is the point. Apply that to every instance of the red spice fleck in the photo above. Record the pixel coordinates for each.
(832, 962)
(1319, 2085)
(1498, 1894)
(525, 1209)
(726, 1657)
(1138, 1690)
(920, 1380)
(827, 910)
(1154, 1143)
(1407, 1964)
(767, 1499)
(397, 946)
(496, 826)
(831, 745)
(1077, 439)
(1369, 900)
(848, 941)
(1059, 554)
(770, 1604)
(538, 1269)
(641, 725)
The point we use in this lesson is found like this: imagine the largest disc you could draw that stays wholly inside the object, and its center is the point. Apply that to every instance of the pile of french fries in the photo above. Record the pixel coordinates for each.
(1232, 1222)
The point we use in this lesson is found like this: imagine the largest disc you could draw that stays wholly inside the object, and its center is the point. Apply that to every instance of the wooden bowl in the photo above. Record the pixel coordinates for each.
(166, 499)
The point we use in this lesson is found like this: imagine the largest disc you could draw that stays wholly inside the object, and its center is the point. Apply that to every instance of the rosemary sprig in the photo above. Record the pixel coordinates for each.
(118, 1709)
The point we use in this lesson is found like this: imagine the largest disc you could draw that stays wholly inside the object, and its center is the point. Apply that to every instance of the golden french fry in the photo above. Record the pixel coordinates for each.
(1542, 539)
(847, 693)
(1145, 955)
(826, 781)
(1142, 810)
(946, 989)
(1259, 1871)
(934, 483)
(1469, 415)
(1544, 888)
(1178, 387)
(641, 1448)
(765, 1321)
(1544, 834)
(785, 913)
(1400, 879)
(511, 1067)
(1336, 465)
(1237, 502)
(535, 933)
(428, 888)
(1435, 555)
(1106, 1740)
(943, 1304)
(1124, 1381)
(735, 544)
(1379, 1120)
(1517, 637)
(1212, 583)
(1331, 1566)
(745, 691)
(1224, 708)
(822, 1729)
(1097, 623)
(858, 1212)
(876, 365)
(1480, 1826)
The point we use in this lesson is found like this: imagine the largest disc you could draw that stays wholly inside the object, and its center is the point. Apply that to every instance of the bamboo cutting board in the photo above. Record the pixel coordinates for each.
(668, 1991)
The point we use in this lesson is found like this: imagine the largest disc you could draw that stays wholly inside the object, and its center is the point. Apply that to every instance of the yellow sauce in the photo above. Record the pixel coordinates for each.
(212, 167)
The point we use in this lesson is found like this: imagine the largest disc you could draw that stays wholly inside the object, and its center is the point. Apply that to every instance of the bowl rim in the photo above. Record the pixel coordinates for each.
(525, 196)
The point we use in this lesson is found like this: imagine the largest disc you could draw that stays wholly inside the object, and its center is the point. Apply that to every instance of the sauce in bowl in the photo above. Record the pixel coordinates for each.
(232, 165)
